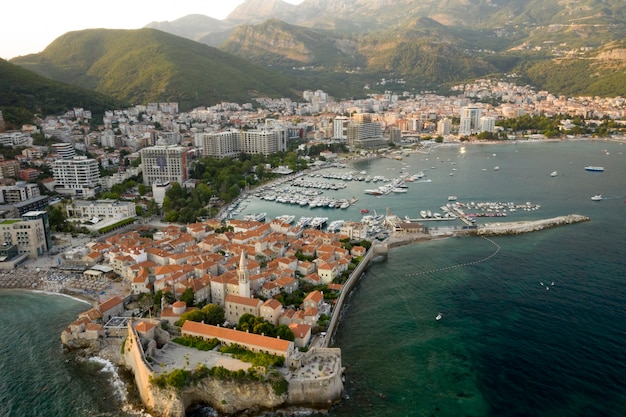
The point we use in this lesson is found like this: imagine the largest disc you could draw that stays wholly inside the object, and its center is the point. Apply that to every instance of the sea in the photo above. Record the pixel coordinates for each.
(531, 325)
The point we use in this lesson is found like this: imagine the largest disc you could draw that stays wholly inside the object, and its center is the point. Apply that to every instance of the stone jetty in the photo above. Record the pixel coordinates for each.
(516, 228)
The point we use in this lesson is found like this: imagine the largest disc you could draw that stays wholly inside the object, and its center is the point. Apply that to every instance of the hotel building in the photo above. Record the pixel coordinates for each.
(77, 177)
(161, 164)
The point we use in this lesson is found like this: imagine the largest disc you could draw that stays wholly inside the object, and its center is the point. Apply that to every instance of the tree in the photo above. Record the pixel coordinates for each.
(188, 297)
(284, 332)
(213, 314)
(193, 315)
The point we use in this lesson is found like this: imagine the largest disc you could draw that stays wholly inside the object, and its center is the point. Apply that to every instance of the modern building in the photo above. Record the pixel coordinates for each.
(77, 177)
(231, 143)
(41, 215)
(219, 144)
(470, 120)
(19, 192)
(161, 164)
(28, 234)
(487, 124)
(340, 127)
(364, 133)
(265, 141)
(444, 126)
(101, 209)
(64, 150)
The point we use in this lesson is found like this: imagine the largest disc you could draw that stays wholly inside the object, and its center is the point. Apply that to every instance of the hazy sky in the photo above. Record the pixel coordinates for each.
(28, 26)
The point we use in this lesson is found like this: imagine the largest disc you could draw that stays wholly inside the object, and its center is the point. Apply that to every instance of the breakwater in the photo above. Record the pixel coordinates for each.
(516, 228)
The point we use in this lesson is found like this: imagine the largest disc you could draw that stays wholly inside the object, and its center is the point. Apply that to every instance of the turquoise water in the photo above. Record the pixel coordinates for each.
(38, 378)
(505, 345)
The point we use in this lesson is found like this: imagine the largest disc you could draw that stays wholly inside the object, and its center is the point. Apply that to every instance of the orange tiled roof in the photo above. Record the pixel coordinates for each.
(235, 336)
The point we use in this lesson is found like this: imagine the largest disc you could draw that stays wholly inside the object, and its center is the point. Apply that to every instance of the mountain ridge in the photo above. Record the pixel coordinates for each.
(148, 65)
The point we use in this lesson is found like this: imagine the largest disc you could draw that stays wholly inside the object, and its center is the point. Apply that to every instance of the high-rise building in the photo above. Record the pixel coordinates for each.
(470, 120)
(340, 127)
(77, 177)
(364, 133)
(219, 144)
(64, 150)
(231, 143)
(444, 126)
(487, 124)
(265, 141)
(161, 164)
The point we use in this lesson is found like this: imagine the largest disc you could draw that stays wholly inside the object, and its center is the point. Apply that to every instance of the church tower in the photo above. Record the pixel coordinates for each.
(244, 279)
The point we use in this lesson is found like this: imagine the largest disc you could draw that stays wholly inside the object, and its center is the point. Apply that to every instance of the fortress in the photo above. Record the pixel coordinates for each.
(314, 378)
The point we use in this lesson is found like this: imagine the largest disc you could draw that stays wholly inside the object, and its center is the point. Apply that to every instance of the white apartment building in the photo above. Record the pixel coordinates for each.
(487, 124)
(264, 141)
(76, 177)
(64, 150)
(444, 126)
(219, 144)
(101, 209)
(162, 164)
(21, 191)
(470, 120)
(340, 127)
(232, 143)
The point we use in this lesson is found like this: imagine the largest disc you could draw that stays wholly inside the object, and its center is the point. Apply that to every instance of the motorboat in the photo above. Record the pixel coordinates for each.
(597, 197)
(594, 168)
(554, 174)
(452, 198)
(438, 317)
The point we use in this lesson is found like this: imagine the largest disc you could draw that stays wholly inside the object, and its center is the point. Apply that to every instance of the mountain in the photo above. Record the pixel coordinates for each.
(275, 42)
(257, 11)
(193, 26)
(24, 93)
(148, 65)
(600, 72)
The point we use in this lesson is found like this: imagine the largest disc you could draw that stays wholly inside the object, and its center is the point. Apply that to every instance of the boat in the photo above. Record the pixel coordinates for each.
(452, 198)
(438, 317)
(255, 217)
(364, 211)
(553, 174)
(496, 168)
(398, 190)
(303, 221)
(373, 192)
(335, 225)
(597, 197)
(318, 222)
(594, 168)
(287, 218)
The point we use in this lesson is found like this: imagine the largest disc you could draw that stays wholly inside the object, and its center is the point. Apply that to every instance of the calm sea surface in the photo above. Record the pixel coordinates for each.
(532, 325)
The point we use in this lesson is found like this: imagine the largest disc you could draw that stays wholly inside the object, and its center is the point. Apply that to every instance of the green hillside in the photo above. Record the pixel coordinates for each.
(599, 73)
(24, 93)
(147, 65)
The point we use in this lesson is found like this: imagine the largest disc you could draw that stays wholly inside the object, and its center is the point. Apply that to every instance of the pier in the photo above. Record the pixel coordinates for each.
(516, 228)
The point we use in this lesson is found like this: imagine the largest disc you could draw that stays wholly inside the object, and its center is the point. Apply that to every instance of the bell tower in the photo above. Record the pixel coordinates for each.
(242, 274)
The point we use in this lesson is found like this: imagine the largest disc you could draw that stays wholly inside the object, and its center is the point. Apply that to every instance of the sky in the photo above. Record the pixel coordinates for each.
(28, 26)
